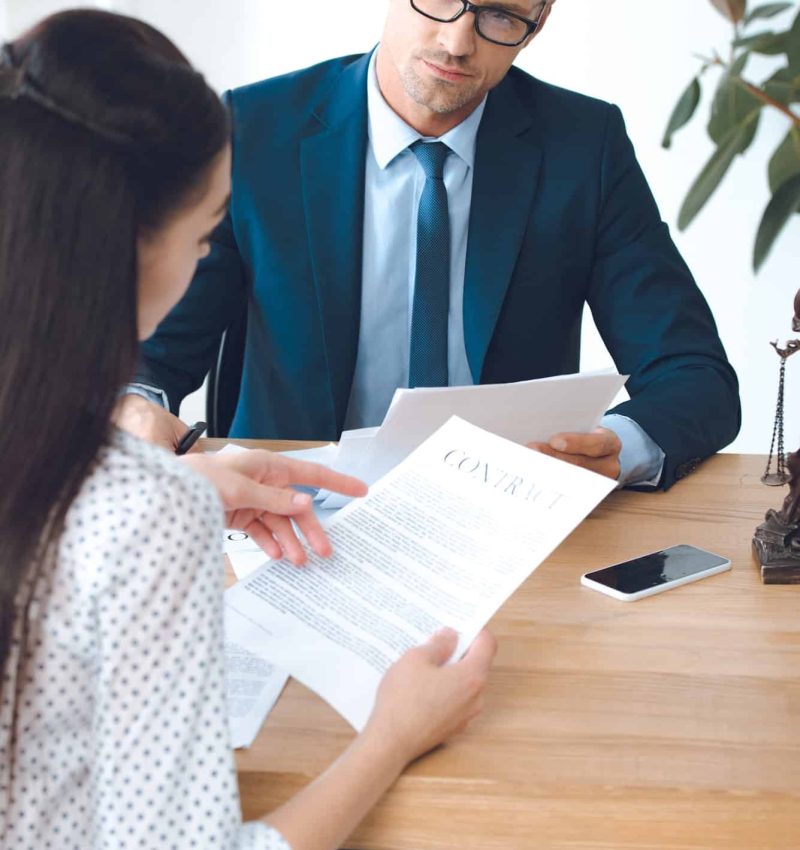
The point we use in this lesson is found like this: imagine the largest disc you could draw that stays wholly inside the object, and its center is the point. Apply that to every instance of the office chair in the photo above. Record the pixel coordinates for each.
(224, 378)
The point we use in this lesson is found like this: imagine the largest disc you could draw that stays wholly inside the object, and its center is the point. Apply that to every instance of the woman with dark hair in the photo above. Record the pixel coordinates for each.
(114, 170)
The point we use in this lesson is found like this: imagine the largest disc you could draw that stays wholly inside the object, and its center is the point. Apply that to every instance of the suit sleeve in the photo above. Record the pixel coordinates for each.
(655, 321)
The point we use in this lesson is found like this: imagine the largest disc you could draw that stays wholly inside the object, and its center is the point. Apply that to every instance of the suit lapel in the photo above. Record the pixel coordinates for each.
(332, 176)
(504, 185)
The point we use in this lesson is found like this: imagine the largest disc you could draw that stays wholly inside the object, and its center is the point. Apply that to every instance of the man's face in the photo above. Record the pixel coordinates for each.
(447, 67)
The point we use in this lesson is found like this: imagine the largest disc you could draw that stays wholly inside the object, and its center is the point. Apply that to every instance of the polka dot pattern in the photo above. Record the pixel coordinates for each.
(122, 731)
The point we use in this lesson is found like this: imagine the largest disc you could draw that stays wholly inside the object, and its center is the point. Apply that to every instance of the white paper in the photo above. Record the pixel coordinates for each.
(524, 412)
(323, 455)
(252, 687)
(245, 563)
(234, 540)
(352, 444)
(442, 540)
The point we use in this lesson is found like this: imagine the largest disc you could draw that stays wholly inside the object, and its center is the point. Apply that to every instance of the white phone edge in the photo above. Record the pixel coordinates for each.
(652, 591)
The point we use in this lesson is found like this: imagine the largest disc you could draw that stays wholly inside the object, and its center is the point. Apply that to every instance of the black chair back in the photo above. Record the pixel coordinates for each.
(225, 378)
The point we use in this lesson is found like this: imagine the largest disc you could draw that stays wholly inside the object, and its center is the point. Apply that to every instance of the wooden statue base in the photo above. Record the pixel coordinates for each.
(774, 551)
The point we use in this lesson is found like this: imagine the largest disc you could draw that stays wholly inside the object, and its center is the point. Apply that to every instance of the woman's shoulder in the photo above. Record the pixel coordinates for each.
(132, 470)
(138, 498)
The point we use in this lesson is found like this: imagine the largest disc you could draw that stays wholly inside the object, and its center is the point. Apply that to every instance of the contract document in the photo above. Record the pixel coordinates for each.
(442, 540)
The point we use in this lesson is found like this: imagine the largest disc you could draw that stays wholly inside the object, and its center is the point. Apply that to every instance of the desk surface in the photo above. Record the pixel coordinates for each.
(671, 723)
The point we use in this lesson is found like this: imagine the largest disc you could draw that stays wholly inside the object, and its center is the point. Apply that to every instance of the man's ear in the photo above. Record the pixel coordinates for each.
(545, 14)
(548, 8)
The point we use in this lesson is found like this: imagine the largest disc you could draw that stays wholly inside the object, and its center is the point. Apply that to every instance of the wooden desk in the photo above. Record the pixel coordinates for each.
(672, 722)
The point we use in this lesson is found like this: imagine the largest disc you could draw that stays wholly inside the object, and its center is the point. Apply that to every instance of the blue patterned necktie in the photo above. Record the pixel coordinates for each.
(428, 357)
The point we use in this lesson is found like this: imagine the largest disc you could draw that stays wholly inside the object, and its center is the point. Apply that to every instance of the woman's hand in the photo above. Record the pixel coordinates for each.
(148, 421)
(422, 701)
(255, 488)
(420, 704)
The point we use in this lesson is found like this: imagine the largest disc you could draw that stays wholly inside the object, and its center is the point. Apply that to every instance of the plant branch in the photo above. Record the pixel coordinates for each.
(761, 95)
(754, 90)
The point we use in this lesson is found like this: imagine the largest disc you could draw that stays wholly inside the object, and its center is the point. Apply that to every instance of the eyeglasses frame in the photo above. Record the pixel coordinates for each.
(478, 11)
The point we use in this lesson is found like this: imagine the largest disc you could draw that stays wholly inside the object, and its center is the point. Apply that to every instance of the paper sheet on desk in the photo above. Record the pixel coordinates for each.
(352, 444)
(252, 687)
(524, 412)
(442, 540)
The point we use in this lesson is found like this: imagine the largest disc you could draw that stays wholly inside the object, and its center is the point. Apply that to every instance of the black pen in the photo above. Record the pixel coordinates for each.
(190, 438)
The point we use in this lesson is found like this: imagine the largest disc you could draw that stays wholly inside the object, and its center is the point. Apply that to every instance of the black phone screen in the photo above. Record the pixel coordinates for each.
(657, 568)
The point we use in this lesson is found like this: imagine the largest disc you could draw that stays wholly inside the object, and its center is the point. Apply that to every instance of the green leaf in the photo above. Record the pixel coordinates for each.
(733, 10)
(793, 46)
(733, 105)
(783, 86)
(767, 43)
(716, 168)
(779, 210)
(768, 10)
(785, 162)
(683, 112)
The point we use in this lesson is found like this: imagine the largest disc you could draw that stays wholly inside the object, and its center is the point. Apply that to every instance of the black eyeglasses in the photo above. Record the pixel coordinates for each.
(491, 22)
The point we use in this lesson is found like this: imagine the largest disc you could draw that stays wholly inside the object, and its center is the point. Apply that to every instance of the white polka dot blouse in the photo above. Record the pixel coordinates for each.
(122, 735)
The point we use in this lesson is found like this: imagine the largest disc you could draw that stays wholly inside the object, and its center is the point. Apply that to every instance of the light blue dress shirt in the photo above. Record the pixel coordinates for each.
(393, 186)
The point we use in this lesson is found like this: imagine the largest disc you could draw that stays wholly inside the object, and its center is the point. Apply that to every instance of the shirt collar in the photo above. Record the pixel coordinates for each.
(389, 135)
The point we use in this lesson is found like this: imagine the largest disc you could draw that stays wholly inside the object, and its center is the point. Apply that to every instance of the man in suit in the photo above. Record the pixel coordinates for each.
(427, 215)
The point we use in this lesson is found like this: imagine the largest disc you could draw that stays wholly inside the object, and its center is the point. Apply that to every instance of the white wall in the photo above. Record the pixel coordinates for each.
(635, 53)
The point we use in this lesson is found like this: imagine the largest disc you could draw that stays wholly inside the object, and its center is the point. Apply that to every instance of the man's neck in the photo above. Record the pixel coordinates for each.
(425, 121)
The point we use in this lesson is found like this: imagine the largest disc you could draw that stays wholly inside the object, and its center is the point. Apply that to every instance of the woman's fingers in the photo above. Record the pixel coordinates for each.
(313, 475)
(263, 537)
(283, 471)
(313, 532)
(282, 530)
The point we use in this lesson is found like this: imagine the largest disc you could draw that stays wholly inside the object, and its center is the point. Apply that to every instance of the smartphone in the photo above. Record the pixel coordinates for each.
(656, 572)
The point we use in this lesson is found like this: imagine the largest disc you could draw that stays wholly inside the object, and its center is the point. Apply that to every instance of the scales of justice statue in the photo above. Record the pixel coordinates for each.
(776, 543)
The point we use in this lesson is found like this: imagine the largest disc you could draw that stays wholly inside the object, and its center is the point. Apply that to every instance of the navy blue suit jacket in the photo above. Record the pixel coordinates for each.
(561, 215)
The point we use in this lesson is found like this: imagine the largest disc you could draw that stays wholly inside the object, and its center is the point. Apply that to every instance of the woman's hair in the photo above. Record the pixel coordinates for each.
(106, 132)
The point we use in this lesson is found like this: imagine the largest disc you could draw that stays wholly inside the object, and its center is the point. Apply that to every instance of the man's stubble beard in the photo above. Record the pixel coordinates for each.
(439, 96)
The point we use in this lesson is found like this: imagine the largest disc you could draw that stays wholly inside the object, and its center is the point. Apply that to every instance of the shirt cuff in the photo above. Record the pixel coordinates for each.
(641, 460)
(153, 394)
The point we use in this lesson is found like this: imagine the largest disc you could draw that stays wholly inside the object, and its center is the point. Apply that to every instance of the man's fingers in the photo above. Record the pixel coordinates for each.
(599, 443)
(543, 448)
(607, 465)
(574, 459)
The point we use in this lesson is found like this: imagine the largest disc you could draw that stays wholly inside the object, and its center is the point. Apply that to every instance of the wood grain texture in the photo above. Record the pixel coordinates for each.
(671, 723)
(214, 444)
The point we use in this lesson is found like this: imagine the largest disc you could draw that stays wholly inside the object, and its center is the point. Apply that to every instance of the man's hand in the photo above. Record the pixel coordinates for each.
(597, 451)
(255, 488)
(149, 421)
